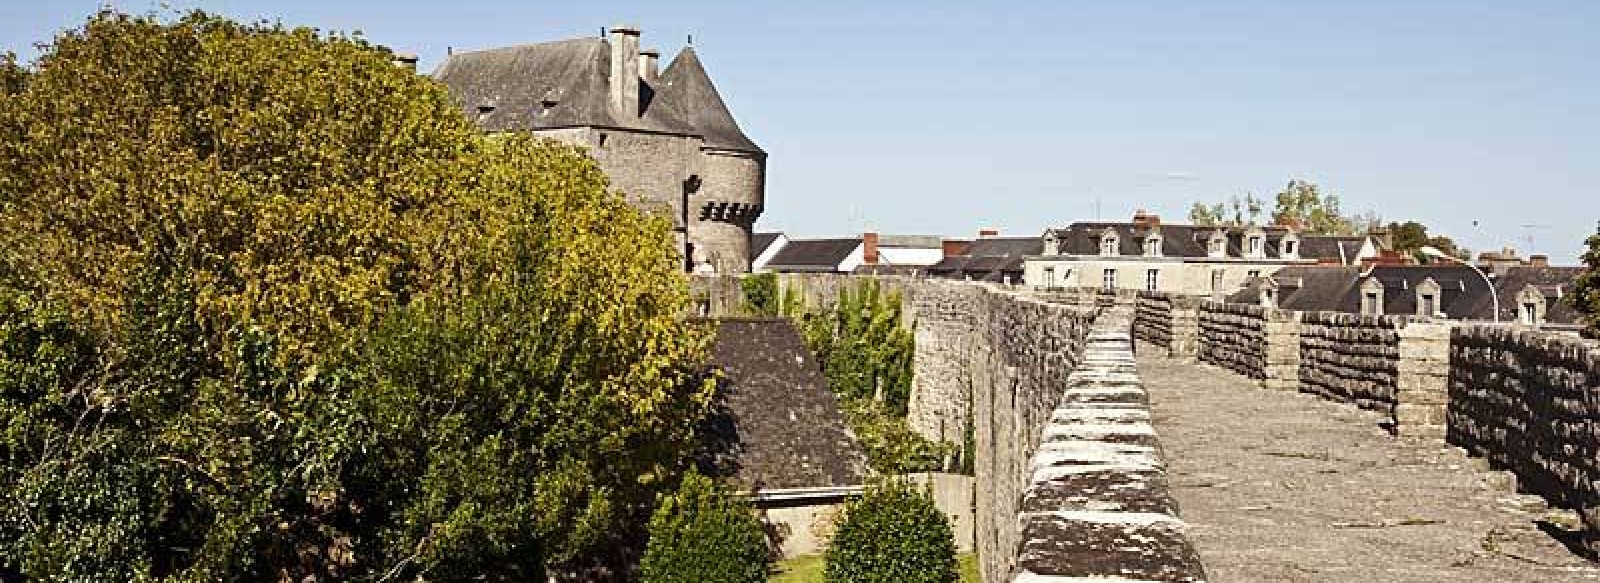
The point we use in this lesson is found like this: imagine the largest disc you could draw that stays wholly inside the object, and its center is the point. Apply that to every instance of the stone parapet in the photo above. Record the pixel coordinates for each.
(1097, 504)
(1530, 403)
(1351, 358)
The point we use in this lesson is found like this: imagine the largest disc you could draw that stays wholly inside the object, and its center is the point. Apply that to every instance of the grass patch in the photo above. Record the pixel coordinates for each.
(809, 569)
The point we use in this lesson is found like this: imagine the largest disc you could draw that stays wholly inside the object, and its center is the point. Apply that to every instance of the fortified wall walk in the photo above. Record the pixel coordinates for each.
(1284, 486)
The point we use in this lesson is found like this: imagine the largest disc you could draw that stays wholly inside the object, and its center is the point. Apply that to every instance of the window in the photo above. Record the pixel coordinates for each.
(1216, 245)
(1254, 273)
(1371, 304)
(1108, 245)
(1109, 279)
(1150, 276)
(1052, 245)
(1255, 246)
(1428, 306)
(1269, 297)
(1152, 247)
(1050, 276)
(1530, 313)
(1289, 247)
(1216, 280)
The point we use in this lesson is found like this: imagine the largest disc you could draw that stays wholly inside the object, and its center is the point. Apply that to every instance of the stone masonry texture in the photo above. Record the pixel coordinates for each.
(1096, 505)
(1530, 403)
(1285, 487)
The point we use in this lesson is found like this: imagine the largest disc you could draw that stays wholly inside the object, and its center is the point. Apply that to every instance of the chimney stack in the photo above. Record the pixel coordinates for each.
(869, 248)
(649, 68)
(986, 233)
(1539, 261)
(407, 60)
(625, 69)
(1144, 219)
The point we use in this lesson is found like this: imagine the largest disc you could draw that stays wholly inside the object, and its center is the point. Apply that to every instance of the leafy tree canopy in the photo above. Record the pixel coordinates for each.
(1585, 296)
(1411, 236)
(1301, 204)
(270, 308)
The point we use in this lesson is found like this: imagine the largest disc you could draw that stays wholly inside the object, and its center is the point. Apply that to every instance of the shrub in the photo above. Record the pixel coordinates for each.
(761, 293)
(702, 534)
(893, 533)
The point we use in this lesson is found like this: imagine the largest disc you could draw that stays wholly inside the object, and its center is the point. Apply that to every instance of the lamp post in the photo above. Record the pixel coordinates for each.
(1493, 295)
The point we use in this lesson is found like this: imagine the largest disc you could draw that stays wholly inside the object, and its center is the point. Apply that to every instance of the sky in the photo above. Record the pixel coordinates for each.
(1480, 119)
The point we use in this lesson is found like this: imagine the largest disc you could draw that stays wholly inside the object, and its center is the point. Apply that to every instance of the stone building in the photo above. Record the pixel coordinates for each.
(664, 137)
(990, 258)
(1183, 259)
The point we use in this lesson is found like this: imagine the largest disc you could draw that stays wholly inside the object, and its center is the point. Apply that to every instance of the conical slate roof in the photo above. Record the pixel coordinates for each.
(687, 90)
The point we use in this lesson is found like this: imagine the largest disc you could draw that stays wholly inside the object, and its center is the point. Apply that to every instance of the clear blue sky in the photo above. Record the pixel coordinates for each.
(943, 117)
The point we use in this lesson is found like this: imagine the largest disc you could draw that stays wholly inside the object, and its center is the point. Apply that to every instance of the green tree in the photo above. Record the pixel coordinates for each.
(894, 532)
(1235, 212)
(1585, 296)
(703, 534)
(1303, 204)
(270, 308)
(1411, 236)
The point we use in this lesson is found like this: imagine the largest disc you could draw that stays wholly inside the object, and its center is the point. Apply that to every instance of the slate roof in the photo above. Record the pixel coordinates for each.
(1329, 248)
(685, 87)
(567, 84)
(1554, 282)
(760, 241)
(1192, 241)
(1463, 294)
(778, 425)
(1308, 288)
(989, 259)
(813, 254)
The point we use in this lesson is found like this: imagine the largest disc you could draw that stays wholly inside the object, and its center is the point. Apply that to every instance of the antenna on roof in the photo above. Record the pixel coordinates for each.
(449, 50)
(691, 39)
(602, 32)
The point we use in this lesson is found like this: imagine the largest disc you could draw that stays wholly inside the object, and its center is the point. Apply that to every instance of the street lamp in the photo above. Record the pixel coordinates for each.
(1493, 295)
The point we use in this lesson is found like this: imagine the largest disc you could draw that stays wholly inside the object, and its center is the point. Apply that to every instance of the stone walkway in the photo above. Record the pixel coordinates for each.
(1279, 486)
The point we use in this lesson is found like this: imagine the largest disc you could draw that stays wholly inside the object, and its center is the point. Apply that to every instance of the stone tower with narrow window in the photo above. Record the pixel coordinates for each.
(665, 138)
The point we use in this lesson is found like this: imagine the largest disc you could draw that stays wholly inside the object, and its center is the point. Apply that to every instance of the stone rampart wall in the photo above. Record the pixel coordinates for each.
(1351, 358)
(1233, 336)
(1152, 320)
(1097, 505)
(1530, 402)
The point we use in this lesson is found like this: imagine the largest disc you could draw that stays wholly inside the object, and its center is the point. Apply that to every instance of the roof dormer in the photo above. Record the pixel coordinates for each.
(1052, 242)
(1217, 243)
(1255, 243)
(1109, 242)
(1429, 298)
(1152, 243)
(1372, 297)
(1289, 246)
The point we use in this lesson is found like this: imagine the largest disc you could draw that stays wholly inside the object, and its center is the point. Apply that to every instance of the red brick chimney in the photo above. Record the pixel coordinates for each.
(869, 248)
(985, 233)
(955, 247)
(1144, 219)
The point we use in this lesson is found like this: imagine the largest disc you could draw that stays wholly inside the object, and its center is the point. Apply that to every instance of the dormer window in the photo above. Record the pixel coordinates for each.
(1217, 245)
(1428, 294)
(1531, 304)
(1108, 243)
(1291, 248)
(1052, 245)
(1152, 246)
(1372, 297)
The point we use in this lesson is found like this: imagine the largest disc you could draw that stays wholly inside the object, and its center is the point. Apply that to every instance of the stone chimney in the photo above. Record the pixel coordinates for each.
(406, 60)
(1538, 261)
(649, 65)
(625, 70)
(869, 248)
